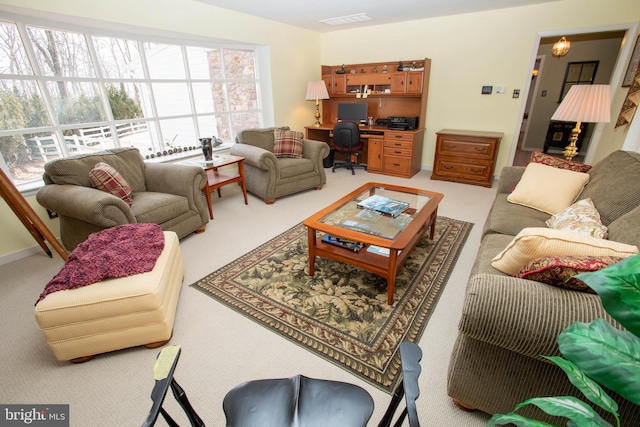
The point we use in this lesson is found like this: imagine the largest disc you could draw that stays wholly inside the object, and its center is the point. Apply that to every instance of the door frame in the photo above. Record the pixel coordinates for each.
(616, 79)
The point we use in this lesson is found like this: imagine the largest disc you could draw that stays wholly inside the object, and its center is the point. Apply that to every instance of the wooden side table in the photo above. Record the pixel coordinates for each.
(217, 178)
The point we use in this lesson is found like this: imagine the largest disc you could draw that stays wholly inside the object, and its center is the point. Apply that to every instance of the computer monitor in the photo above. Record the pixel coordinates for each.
(353, 111)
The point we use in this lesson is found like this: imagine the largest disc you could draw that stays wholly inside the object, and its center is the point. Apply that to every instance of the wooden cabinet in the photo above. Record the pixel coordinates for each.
(335, 83)
(374, 157)
(468, 157)
(402, 153)
(372, 84)
(407, 82)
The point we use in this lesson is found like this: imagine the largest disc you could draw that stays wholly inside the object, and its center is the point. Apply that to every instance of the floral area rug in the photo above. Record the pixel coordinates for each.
(341, 314)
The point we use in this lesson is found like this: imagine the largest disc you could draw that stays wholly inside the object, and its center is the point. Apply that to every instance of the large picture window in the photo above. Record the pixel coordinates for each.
(66, 92)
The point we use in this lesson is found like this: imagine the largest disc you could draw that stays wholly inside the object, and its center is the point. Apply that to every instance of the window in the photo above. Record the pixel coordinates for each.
(67, 92)
(578, 73)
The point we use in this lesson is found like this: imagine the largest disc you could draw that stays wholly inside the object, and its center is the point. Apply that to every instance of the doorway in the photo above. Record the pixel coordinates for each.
(547, 81)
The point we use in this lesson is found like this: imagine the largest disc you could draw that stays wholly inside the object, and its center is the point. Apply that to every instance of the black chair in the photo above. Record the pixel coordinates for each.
(346, 140)
(293, 401)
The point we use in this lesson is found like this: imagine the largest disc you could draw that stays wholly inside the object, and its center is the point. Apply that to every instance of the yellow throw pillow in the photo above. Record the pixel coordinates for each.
(537, 242)
(548, 189)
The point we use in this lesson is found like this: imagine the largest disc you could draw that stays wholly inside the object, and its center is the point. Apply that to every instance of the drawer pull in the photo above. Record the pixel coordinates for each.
(396, 164)
(447, 167)
(398, 152)
(399, 136)
(476, 170)
(452, 146)
(480, 149)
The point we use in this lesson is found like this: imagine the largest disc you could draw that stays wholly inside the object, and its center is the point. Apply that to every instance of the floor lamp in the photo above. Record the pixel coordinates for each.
(316, 91)
(583, 103)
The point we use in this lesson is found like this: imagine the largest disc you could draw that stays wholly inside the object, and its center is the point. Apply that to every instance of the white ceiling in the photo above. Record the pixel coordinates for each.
(307, 14)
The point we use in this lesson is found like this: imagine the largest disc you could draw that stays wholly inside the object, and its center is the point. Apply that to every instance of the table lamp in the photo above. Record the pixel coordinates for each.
(316, 91)
(583, 103)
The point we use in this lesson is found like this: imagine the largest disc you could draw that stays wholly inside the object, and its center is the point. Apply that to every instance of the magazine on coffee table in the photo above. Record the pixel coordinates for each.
(384, 205)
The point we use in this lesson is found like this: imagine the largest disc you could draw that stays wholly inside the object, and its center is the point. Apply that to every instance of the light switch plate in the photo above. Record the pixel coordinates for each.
(500, 89)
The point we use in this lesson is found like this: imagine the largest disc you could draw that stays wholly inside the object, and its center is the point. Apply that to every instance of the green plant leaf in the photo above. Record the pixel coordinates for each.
(586, 385)
(569, 407)
(517, 420)
(618, 286)
(605, 354)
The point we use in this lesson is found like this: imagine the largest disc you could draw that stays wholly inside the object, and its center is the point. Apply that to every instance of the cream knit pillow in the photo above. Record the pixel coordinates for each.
(536, 242)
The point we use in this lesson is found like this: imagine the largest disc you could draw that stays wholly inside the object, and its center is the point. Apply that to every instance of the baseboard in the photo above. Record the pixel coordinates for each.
(14, 256)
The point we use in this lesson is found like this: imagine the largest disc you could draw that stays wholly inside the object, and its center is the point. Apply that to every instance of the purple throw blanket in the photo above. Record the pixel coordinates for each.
(119, 251)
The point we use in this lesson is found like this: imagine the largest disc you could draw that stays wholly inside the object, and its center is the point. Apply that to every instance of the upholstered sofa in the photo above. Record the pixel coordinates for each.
(169, 195)
(508, 323)
(269, 176)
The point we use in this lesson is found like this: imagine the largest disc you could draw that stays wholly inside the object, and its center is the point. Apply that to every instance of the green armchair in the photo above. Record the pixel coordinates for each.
(169, 195)
(270, 177)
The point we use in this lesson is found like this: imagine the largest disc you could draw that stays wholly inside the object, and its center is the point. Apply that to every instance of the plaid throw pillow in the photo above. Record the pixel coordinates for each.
(287, 144)
(105, 178)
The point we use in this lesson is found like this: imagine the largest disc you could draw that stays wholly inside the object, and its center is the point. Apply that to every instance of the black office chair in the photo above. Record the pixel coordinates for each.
(293, 401)
(346, 140)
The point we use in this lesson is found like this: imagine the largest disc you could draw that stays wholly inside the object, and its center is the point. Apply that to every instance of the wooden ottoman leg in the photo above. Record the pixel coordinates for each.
(159, 343)
(82, 359)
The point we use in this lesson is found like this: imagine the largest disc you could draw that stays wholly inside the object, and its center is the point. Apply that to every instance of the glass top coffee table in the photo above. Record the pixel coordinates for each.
(374, 228)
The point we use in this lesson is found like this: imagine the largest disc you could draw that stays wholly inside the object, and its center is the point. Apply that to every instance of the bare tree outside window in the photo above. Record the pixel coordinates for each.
(87, 92)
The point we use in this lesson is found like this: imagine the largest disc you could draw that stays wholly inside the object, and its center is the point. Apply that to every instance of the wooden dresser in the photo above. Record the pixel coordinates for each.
(466, 156)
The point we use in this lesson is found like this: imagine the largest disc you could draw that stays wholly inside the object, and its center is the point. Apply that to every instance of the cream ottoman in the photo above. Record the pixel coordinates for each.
(115, 313)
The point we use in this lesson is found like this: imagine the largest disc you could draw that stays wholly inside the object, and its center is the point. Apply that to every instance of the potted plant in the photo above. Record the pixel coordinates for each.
(596, 353)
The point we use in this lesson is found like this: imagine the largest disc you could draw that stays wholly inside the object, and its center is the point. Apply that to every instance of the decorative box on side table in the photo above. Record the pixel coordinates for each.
(465, 156)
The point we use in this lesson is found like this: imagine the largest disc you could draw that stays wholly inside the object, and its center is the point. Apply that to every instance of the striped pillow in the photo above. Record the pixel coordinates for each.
(536, 242)
(287, 144)
(105, 178)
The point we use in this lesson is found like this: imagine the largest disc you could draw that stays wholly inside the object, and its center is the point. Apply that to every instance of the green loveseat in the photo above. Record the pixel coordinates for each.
(270, 177)
(508, 323)
(166, 194)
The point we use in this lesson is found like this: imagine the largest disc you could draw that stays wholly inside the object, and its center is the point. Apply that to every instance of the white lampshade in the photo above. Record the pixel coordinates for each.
(317, 90)
(585, 103)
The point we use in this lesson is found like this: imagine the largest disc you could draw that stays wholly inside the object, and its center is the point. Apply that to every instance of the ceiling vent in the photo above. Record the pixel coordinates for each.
(349, 19)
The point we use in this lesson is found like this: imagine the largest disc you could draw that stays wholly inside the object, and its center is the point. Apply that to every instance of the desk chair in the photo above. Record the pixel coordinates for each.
(346, 140)
(293, 401)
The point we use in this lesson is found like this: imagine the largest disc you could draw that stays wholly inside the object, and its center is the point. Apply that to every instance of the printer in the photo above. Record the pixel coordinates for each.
(402, 123)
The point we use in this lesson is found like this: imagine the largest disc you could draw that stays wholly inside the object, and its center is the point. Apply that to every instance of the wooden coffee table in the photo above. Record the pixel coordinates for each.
(217, 178)
(395, 235)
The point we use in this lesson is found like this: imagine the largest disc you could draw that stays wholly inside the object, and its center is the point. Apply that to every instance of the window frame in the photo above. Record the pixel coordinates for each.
(140, 36)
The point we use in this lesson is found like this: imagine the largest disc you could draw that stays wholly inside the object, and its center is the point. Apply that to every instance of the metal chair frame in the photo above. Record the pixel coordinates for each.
(235, 402)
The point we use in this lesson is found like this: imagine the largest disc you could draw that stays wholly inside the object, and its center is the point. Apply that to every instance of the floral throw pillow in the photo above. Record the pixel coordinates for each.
(559, 271)
(105, 178)
(287, 144)
(581, 217)
(556, 162)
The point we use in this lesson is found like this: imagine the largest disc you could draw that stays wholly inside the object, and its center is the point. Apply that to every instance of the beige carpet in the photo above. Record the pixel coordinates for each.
(222, 348)
(341, 313)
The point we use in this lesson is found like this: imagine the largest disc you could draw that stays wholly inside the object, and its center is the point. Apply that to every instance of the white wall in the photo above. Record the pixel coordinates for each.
(468, 51)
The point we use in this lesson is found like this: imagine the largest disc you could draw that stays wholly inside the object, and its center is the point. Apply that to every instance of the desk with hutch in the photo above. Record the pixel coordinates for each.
(387, 91)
